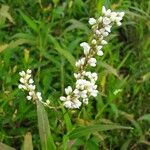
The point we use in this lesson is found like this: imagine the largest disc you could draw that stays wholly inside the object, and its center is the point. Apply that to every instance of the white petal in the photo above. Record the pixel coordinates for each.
(62, 98)
(103, 10)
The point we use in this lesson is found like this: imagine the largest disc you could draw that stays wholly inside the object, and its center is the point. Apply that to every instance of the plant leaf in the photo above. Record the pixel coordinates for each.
(29, 21)
(46, 138)
(5, 14)
(27, 145)
(83, 131)
(6, 147)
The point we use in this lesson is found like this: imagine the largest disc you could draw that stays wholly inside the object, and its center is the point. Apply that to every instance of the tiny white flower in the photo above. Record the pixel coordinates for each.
(31, 87)
(62, 98)
(100, 53)
(22, 73)
(31, 81)
(67, 104)
(22, 80)
(92, 21)
(105, 34)
(68, 90)
(94, 41)
(29, 71)
(113, 16)
(121, 14)
(27, 76)
(99, 47)
(76, 104)
(92, 62)
(108, 12)
(97, 32)
(29, 97)
(108, 28)
(31, 93)
(20, 86)
(103, 42)
(106, 21)
(118, 23)
(86, 47)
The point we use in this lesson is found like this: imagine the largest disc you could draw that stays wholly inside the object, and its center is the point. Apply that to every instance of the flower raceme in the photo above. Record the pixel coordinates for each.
(85, 86)
(27, 84)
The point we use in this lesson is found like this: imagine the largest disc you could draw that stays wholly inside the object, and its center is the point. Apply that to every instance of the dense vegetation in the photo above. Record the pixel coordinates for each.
(44, 36)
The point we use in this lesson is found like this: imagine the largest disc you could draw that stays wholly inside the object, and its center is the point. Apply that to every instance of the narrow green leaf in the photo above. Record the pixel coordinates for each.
(46, 138)
(5, 147)
(29, 21)
(83, 131)
(27, 145)
(125, 146)
(62, 51)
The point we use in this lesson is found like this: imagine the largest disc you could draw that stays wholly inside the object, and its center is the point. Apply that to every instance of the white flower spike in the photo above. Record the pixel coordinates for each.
(85, 86)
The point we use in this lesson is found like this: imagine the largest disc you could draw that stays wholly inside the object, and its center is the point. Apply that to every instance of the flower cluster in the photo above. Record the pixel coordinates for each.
(27, 84)
(85, 86)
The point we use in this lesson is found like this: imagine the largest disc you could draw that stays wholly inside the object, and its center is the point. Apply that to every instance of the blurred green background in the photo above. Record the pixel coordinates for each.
(44, 35)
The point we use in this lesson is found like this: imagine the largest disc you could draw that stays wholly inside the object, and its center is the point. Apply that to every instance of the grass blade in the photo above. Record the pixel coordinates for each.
(83, 131)
(29, 21)
(46, 138)
(27, 145)
(5, 147)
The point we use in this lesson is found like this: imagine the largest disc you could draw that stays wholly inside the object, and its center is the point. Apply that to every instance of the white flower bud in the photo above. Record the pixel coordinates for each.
(121, 14)
(118, 23)
(100, 53)
(68, 90)
(103, 42)
(22, 73)
(86, 47)
(62, 98)
(94, 41)
(92, 62)
(31, 81)
(22, 80)
(108, 28)
(29, 71)
(20, 86)
(29, 97)
(99, 47)
(92, 21)
(104, 10)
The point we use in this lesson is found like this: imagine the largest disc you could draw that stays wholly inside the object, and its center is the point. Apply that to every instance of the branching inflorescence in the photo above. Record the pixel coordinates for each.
(85, 86)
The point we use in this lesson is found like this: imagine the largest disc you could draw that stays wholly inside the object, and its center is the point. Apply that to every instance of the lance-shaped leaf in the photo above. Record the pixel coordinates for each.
(85, 130)
(5, 147)
(27, 145)
(47, 142)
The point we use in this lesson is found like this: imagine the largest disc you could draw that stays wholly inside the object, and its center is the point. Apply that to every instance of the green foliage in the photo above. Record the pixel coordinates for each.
(45, 36)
